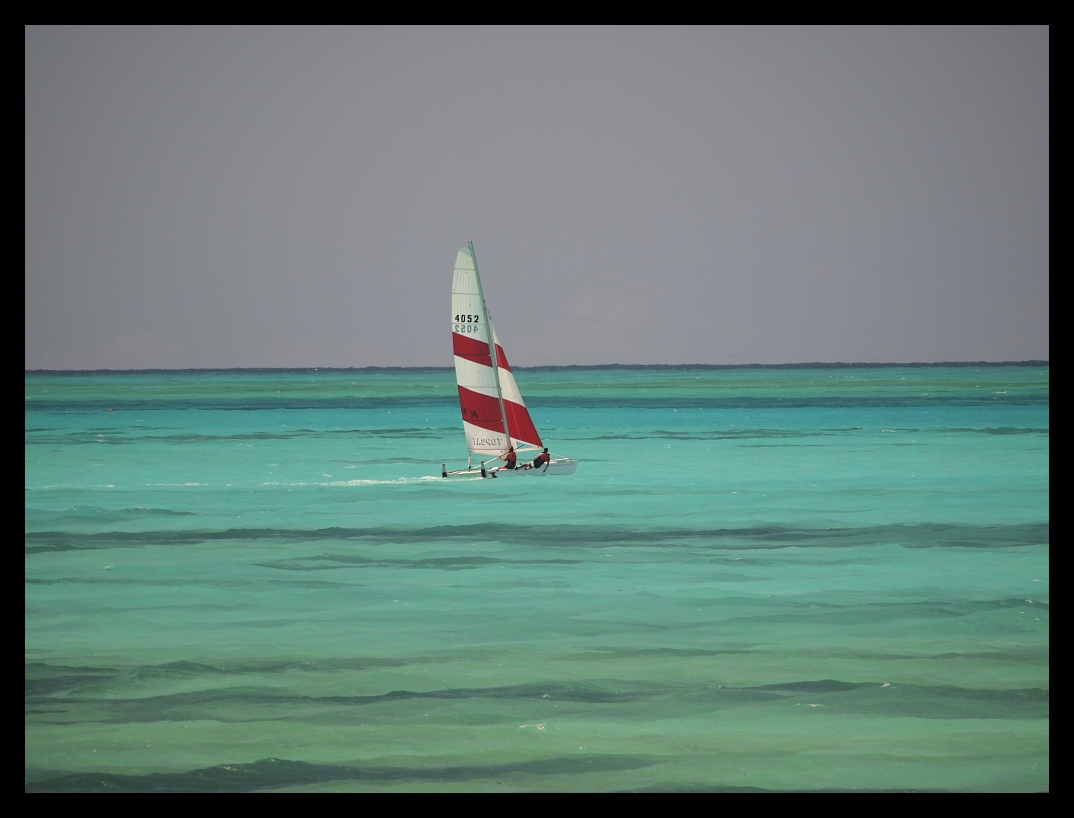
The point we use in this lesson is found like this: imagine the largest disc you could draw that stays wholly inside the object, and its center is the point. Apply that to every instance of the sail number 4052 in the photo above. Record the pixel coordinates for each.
(467, 324)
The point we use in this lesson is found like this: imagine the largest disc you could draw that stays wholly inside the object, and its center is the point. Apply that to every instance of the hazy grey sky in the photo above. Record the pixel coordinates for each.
(296, 197)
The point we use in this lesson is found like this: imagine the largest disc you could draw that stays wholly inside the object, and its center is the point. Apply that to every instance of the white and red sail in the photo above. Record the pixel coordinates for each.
(492, 407)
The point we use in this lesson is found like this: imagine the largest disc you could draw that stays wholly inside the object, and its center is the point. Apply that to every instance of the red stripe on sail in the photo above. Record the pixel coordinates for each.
(501, 359)
(466, 347)
(520, 424)
(477, 351)
(484, 411)
(480, 410)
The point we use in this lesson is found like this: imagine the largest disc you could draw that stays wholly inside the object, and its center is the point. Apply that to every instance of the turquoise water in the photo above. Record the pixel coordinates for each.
(830, 578)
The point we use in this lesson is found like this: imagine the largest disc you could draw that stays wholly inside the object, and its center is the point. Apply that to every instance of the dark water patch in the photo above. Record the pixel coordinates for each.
(45, 680)
(925, 535)
(101, 517)
(820, 686)
(1009, 430)
(670, 653)
(539, 701)
(274, 773)
(1035, 656)
(936, 702)
(1032, 655)
(248, 623)
(721, 434)
(323, 562)
(98, 515)
(169, 671)
(774, 446)
(876, 612)
(701, 788)
(120, 579)
(984, 430)
(156, 512)
(316, 584)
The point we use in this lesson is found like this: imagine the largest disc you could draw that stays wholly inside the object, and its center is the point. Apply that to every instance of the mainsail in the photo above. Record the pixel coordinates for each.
(488, 394)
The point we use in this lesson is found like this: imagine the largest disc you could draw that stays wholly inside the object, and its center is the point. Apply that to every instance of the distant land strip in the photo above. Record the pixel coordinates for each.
(244, 403)
(814, 365)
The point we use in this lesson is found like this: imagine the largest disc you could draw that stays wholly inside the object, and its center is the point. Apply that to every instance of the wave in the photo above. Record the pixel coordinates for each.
(274, 773)
(228, 702)
(922, 535)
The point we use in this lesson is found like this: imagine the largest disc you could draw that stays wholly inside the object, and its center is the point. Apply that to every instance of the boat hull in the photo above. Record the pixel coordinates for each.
(563, 465)
(559, 465)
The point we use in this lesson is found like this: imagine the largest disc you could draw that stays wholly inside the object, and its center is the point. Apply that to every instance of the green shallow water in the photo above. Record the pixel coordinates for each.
(757, 579)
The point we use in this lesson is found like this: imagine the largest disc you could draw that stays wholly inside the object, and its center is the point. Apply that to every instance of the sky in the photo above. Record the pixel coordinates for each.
(279, 197)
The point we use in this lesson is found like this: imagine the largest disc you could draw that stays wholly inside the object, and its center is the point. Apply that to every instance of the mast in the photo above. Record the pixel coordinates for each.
(492, 347)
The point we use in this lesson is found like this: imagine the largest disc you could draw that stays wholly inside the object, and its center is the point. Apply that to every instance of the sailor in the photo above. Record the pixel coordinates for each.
(510, 457)
(540, 460)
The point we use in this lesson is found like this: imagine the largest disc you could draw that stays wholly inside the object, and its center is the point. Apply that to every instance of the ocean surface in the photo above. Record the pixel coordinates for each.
(758, 579)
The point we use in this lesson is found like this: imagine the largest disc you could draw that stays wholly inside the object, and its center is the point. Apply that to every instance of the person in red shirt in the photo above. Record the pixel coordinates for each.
(510, 457)
(540, 460)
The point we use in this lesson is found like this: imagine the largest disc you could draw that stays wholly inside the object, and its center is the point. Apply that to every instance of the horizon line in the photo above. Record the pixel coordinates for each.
(809, 365)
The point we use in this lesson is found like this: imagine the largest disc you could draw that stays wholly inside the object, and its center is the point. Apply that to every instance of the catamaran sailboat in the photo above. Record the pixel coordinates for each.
(494, 415)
